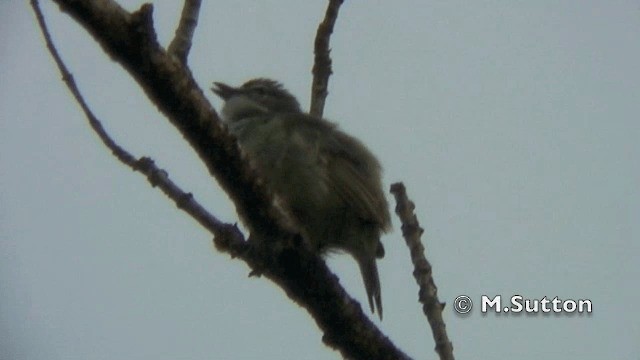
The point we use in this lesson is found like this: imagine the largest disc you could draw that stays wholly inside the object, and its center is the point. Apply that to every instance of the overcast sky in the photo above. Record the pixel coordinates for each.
(514, 126)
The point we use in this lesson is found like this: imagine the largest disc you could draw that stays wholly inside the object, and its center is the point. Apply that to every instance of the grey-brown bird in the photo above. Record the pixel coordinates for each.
(326, 180)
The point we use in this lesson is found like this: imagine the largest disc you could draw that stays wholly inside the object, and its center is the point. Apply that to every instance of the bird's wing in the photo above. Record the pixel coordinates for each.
(351, 171)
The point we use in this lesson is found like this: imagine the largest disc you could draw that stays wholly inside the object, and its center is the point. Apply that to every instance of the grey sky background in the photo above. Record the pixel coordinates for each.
(514, 126)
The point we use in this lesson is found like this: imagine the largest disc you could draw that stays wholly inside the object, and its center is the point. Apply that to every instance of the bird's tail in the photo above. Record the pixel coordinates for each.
(369, 271)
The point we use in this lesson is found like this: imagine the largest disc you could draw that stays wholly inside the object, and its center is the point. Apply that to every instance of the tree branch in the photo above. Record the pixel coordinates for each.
(428, 296)
(322, 61)
(181, 43)
(130, 40)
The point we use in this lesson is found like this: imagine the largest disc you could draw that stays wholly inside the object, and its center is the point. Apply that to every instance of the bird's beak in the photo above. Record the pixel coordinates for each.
(223, 90)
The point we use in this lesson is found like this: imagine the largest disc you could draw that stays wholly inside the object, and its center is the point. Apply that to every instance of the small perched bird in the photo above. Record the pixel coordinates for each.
(326, 180)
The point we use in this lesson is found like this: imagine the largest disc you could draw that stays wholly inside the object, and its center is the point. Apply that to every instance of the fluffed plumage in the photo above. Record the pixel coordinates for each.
(328, 181)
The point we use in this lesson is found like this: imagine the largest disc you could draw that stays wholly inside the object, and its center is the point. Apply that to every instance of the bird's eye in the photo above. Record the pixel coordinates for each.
(260, 91)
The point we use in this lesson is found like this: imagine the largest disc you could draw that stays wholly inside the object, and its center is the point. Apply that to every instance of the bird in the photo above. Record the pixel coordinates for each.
(327, 181)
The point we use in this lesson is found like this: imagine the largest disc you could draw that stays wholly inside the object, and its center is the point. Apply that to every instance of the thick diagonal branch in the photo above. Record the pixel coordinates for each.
(130, 40)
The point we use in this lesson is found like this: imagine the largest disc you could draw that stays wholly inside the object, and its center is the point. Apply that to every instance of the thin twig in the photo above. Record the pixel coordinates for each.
(428, 296)
(225, 234)
(322, 61)
(181, 43)
(130, 39)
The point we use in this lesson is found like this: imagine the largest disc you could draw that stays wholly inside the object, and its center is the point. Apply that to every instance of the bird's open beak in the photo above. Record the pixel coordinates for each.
(223, 90)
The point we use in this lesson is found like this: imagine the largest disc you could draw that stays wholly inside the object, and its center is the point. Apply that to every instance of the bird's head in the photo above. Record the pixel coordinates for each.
(255, 97)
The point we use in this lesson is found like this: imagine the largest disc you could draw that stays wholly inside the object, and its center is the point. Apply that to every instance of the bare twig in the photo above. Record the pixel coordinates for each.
(322, 61)
(181, 43)
(301, 273)
(130, 39)
(431, 306)
(226, 235)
